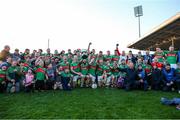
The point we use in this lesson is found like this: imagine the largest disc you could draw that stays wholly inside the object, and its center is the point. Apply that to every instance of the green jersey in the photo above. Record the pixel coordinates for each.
(84, 68)
(2, 75)
(159, 56)
(115, 58)
(92, 69)
(75, 66)
(171, 57)
(49, 55)
(100, 58)
(70, 60)
(107, 69)
(123, 66)
(13, 72)
(107, 57)
(115, 71)
(64, 65)
(147, 68)
(25, 67)
(100, 70)
(40, 73)
(63, 74)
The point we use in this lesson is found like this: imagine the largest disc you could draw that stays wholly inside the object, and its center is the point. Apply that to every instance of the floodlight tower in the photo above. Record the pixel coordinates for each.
(48, 43)
(138, 12)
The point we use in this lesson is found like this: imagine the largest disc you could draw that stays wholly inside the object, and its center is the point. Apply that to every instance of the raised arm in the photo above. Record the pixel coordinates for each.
(88, 50)
(117, 49)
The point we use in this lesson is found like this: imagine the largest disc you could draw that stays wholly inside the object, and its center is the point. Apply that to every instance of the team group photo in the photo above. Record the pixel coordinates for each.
(83, 63)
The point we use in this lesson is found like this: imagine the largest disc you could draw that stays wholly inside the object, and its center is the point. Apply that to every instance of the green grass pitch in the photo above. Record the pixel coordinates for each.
(87, 103)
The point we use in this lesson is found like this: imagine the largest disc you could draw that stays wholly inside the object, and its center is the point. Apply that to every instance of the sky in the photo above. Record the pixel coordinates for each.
(75, 23)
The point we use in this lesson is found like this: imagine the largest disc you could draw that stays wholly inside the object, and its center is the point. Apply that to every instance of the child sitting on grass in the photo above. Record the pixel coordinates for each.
(3, 77)
(66, 76)
(51, 75)
(29, 81)
(12, 75)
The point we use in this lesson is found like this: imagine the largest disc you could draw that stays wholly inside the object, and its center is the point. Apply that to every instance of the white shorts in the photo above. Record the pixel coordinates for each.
(76, 77)
(93, 78)
(100, 78)
(84, 76)
(108, 80)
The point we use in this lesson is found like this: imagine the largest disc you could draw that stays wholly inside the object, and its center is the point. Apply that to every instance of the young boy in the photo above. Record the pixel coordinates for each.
(58, 82)
(141, 80)
(51, 75)
(41, 76)
(122, 75)
(66, 76)
(148, 70)
(156, 78)
(12, 75)
(3, 77)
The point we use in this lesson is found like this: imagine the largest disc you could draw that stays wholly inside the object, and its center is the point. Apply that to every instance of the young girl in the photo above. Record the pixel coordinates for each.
(29, 81)
(51, 75)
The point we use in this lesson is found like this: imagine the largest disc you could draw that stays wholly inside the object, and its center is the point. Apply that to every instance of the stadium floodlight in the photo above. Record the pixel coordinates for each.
(48, 43)
(138, 12)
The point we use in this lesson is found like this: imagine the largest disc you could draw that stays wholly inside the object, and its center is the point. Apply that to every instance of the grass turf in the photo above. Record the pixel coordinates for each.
(87, 103)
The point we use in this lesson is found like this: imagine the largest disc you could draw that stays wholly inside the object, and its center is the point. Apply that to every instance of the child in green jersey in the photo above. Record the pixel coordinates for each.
(41, 76)
(3, 77)
(12, 75)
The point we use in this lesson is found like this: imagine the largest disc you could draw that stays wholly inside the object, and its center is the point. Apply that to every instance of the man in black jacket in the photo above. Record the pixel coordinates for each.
(156, 78)
(132, 75)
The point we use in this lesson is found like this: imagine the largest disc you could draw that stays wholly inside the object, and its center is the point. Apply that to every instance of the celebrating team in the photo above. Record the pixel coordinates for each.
(84, 68)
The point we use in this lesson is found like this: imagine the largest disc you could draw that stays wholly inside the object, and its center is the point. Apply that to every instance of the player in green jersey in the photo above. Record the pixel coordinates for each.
(115, 73)
(159, 54)
(100, 73)
(84, 71)
(107, 73)
(75, 70)
(171, 57)
(92, 70)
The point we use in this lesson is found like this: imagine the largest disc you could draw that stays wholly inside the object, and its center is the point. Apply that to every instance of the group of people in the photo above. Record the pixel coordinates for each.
(38, 71)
